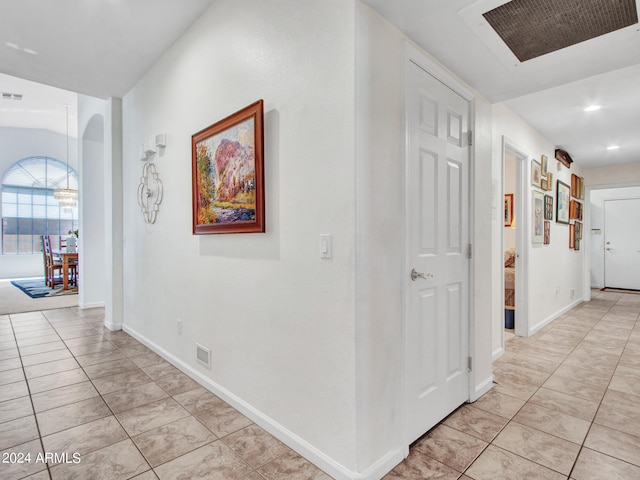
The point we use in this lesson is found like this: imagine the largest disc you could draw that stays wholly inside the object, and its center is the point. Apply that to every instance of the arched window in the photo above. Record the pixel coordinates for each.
(29, 208)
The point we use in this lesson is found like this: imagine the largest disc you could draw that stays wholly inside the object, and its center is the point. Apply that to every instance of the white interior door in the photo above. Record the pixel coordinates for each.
(622, 243)
(436, 322)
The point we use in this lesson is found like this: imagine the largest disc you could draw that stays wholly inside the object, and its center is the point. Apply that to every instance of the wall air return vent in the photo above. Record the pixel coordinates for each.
(11, 96)
(203, 355)
(532, 28)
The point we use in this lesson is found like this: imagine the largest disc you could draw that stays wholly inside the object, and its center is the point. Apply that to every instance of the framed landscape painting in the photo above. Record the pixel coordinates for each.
(227, 174)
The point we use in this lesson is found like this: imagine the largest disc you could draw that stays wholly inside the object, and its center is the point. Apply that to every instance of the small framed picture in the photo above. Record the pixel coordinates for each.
(548, 207)
(572, 236)
(543, 183)
(508, 209)
(537, 228)
(547, 232)
(549, 180)
(563, 195)
(543, 165)
(536, 175)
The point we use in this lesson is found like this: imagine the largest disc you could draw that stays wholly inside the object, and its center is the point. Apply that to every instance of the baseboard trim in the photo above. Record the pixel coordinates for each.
(383, 466)
(84, 306)
(551, 318)
(482, 388)
(293, 441)
(113, 326)
(497, 353)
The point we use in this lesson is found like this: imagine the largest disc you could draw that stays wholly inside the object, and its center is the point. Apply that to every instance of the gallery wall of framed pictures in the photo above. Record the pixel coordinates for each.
(576, 204)
(542, 204)
(569, 204)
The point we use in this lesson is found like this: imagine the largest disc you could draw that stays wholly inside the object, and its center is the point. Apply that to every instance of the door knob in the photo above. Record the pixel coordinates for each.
(415, 275)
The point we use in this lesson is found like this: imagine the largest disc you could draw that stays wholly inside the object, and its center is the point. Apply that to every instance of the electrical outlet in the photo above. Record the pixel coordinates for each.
(179, 323)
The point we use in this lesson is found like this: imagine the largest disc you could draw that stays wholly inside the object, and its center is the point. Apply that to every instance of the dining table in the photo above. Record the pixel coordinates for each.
(65, 257)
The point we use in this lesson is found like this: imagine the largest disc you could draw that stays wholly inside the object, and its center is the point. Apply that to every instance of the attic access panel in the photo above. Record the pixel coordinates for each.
(532, 28)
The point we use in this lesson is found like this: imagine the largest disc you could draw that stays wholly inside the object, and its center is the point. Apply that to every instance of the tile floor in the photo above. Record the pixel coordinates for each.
(566, 405)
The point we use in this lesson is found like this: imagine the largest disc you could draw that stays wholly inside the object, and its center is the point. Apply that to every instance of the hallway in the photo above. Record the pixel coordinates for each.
(566, 405)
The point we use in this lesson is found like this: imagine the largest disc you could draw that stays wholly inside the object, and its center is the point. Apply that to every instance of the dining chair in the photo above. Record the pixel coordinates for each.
(51, 263)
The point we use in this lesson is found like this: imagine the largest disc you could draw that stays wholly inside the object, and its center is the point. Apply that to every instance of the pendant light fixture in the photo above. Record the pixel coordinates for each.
(67, 197)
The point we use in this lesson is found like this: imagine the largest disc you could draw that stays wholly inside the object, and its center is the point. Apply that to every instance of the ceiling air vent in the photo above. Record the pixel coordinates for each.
(532, 28)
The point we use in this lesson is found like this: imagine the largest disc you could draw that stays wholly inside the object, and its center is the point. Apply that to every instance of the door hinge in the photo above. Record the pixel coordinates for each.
(470, 137)
(470, 363)
(469, 251)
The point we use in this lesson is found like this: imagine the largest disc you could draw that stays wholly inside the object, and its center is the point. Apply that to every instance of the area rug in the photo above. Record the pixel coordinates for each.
(36, 288)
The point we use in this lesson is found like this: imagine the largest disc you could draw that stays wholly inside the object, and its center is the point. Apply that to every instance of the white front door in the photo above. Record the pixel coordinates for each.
(437, 275)
(622, 243)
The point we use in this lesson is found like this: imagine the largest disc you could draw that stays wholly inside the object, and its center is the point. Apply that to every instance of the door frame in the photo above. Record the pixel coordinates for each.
(521, 208)
(413, 55)
(604, 230)
(587, 228)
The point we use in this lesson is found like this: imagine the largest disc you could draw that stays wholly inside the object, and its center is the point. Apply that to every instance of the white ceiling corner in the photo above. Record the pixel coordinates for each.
(548, 92)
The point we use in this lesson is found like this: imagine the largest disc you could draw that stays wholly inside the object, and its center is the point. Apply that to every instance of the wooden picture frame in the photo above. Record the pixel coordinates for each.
(549, 181)
(563, 195)
(547, 232)
(508, 209)
(537, 217)
(536, 174)
(578, 230)
(227, 162)
(572, 236)
(544, 184)
(544, 165)
(548, 207)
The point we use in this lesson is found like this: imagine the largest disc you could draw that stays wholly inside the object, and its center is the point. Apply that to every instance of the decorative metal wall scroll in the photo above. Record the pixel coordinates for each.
(149, 192)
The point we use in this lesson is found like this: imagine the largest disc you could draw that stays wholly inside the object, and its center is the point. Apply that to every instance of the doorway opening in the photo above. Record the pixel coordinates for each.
(613, 250)
(514, 320)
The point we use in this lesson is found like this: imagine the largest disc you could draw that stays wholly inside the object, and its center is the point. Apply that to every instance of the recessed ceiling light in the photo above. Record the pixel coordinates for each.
(29, 51)
(592, 108)
(613, 147)
(12, 45)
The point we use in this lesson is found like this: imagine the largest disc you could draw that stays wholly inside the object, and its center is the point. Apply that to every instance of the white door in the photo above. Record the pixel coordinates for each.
(436, 322)
(622, 243)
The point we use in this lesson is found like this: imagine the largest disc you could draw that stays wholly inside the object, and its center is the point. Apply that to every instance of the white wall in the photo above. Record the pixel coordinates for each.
(19, 143)
(93, 266)
(380, 52)
(279, 320)
(620, 175)
(547, 267)
(596, 228)
(310, 348)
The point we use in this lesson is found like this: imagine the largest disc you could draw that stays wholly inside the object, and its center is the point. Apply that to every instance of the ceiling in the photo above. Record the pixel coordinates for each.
(103, 47)
(95, 47)
(550, 91)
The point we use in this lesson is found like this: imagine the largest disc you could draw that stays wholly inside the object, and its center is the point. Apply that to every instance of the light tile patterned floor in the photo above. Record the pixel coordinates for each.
(566, 405)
